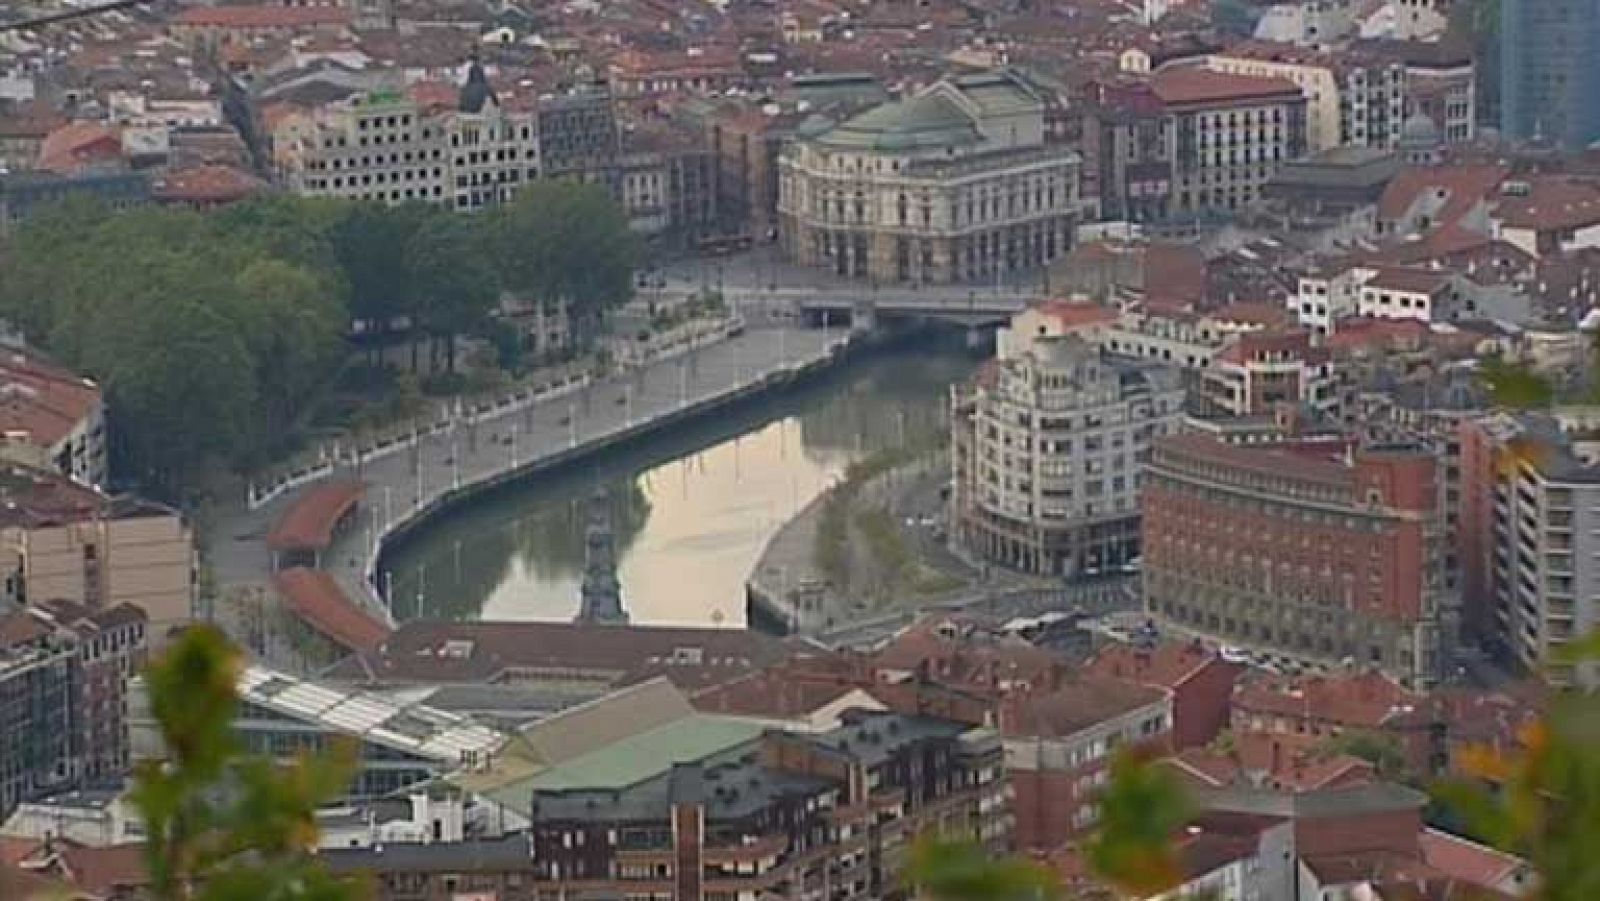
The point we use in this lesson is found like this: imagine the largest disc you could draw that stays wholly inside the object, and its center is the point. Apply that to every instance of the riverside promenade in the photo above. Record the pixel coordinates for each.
(447, 461)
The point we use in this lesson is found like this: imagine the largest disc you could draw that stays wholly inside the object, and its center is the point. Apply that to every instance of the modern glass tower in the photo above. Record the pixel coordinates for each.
(1550, 71)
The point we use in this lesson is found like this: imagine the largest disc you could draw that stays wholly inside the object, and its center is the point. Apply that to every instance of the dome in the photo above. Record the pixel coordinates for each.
(1419, 131)
(476, 92)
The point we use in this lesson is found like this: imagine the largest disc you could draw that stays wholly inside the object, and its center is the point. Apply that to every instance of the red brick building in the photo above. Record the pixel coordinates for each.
(1310, 554)
(1201, 684)
(1059, 748)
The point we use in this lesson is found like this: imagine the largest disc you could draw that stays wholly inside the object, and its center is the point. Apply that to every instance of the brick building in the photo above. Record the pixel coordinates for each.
(1300, 551)
(1060, 745)
(63, 677)
(1201, 684)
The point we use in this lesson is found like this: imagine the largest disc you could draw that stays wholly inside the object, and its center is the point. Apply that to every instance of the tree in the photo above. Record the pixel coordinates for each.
(1141, 810)
(1383, 751)
(222, 825)
(567, 242)
(366, 242)
(453, 283)
(1514, 384)
(948, 870)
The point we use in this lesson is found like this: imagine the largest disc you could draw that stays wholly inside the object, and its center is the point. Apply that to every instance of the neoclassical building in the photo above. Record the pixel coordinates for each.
(955, 183)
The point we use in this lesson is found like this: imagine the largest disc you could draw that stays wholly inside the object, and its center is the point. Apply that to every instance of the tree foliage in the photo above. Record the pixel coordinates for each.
(222, 825)
(1515, 385)
(1141, 810)
(567, 242)
(942, 869)
(209, 333)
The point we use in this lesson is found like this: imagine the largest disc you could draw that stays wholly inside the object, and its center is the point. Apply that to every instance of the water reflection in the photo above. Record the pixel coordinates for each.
(692, 510)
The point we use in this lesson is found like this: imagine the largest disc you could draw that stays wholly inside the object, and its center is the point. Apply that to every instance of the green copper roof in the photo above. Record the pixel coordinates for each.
(923, 121)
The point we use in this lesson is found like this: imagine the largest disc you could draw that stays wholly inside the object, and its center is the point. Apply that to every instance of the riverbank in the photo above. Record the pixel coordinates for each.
(871, 544)
(482, 450)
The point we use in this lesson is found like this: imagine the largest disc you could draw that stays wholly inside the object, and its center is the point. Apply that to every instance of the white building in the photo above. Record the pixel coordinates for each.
(955, 183)
(1048, 446)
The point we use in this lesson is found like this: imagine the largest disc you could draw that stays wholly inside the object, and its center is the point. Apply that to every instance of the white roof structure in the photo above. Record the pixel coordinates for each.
(414, 728)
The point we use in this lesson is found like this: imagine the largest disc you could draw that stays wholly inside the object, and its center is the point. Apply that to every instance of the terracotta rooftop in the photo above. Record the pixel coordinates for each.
(1366, 701)
(314, 597)
(78, 144)
(261, 16)
(1454, 189)
(41, 399)
(1185, 86)
(1075, 706)
(206, 184)
(1469, 861)
(34, 498)
(1168, 665)
(1409, 279)
(309, 522)
(1070, 314)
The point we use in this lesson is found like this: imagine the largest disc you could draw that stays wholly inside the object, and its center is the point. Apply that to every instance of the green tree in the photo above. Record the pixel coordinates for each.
(943, 869)
(1383, 751)
(567, 242)
(1514, 384)
(1141, 810)
(453, 282)
(366, 242)
(222, 825)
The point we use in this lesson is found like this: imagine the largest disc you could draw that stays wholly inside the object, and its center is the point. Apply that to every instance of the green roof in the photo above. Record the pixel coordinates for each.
(924, 121)
(634, 759)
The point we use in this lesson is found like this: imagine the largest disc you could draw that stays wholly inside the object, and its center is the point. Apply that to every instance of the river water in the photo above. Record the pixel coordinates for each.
(691, 508)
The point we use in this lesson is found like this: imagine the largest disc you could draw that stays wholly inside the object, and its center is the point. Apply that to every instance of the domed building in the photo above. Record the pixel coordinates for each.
(1420, 142)
(955, 183)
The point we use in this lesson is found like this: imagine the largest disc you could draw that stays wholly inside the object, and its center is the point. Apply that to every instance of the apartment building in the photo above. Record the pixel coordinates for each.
(643, 797)
(955, 183)
(1229, 135)
(61, 541)
(1314, 553)
(1059, 746)
(36, 695)
(52, 418)
(1047, 450)
(1550, 71)
(1530, 509)
(1259, 372)
(383, 146)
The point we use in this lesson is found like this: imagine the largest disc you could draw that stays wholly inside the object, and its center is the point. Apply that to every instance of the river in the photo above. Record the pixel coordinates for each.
(691, 508)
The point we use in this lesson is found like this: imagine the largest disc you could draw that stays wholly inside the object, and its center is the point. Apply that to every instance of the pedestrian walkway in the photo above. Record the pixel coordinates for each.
(443, 464)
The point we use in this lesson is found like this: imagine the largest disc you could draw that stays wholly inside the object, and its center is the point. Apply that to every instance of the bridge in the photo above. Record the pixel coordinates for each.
(864, 307)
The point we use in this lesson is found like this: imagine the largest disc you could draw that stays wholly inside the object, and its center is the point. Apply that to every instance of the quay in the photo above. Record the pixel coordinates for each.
(397, 488)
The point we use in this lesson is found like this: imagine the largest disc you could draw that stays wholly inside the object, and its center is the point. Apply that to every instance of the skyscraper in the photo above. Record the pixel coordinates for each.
(1550, 70)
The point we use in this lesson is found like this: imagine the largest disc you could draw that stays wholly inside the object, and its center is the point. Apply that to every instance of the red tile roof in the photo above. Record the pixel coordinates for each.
(1469, 861)
(261, 16)
(41, 399)
(313, 596)
(1409, 279)
(1070, 314)
(207, 184)
(1075, 706)
(78, 144)
(1551, 203)
(1364, 701)
(1168, 665)
(1188, 85)
(1459, 188)
(308, 523)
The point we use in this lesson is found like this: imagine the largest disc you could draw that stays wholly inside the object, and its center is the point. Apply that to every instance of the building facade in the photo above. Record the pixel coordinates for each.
(1527, 538)
(1229, 134)
(956, 183)
(36, 695)
(1300, 552)
(781, 815)
(50, 417)
(61, 541)
(1047, 450)
(1550, 71)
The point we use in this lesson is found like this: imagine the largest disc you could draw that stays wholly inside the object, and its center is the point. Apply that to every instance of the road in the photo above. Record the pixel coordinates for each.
(398, 484)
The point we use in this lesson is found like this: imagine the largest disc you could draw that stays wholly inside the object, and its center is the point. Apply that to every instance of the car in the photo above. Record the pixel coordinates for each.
(1234, 654)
